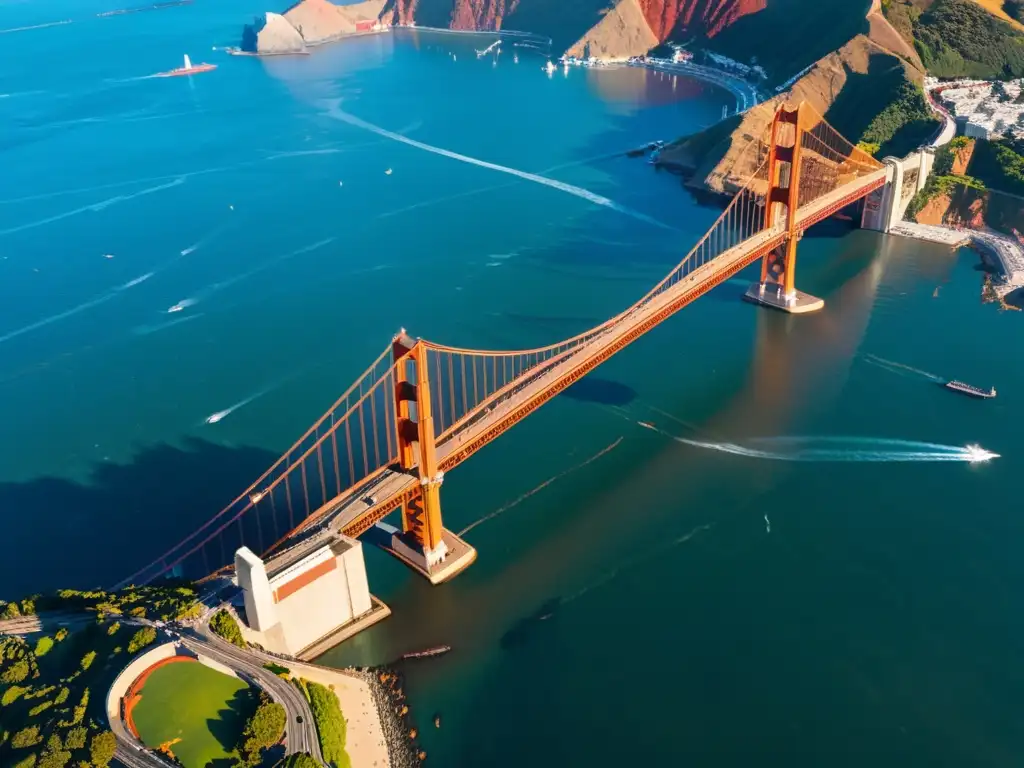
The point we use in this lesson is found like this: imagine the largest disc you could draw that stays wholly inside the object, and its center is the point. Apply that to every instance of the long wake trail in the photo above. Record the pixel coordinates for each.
(837, 449)
(93, 302)
(901, 369)
(213, 288)
(519, 500)
(336, 112)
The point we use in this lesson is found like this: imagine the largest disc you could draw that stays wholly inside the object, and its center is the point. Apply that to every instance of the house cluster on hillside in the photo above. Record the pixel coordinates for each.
(984, 109)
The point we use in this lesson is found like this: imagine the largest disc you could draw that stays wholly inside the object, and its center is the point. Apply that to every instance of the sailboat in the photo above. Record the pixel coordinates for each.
(188, 69)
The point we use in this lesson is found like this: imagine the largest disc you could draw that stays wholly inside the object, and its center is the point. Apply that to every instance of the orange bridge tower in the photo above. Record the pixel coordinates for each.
(777, 287)
(423, 544)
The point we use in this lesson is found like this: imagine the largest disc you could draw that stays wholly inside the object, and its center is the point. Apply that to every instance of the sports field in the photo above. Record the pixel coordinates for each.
(198, 711)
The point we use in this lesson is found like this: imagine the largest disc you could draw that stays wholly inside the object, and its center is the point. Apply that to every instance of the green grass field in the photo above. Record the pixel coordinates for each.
(203, 708)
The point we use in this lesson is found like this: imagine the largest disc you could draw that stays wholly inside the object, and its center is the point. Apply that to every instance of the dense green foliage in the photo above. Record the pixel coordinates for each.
(45, 683)
(277, 669)
(330, 724)
(145, 636)
(298, 760)
(264, 729)
(224, 624)
(908, 117)
(958, 38)
(101, 748)
(166, 603)
(942, 181)
(1000, 164)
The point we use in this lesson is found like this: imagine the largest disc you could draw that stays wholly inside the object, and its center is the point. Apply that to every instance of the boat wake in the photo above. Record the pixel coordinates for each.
(900, 369)
(537, 489)
(838, 449)
(95, 207)
(146, 330)
(93, 302)
(218, 416)
(213, 288)
(334, 110)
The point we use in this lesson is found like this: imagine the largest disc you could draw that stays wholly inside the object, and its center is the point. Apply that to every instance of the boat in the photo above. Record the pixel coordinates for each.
(437, 650)
(188, 69)
(970, 390)
(646, 424)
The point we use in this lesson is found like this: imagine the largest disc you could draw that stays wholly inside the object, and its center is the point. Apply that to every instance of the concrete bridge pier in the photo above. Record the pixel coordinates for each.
(886, 206)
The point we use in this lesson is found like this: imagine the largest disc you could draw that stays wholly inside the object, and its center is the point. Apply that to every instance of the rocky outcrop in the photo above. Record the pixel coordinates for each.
(974, 209)
(705, 17)
(319, 20)
(271, 33)
(612, 28)
(622, 32)
(308, 23)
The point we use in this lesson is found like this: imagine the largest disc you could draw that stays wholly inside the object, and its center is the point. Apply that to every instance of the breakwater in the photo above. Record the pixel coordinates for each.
(387, 687)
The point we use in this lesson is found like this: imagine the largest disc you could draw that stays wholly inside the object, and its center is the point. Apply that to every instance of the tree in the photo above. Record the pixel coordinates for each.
(43, 645)
(61, 633)
(113, 628)
(101, 749)
(10, 611)
(224, 624)
(141, 639)
(88, 659)
(75, 738)
(56, 759)
(26, 762)
(12, 694)
(26, 737)
(264, 729)
(299, 760)
(16, 672)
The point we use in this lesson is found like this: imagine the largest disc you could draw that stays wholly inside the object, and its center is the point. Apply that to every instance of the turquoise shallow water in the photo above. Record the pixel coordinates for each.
(872, 616)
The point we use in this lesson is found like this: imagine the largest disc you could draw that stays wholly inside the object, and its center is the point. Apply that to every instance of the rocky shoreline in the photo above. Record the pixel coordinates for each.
(387, 689)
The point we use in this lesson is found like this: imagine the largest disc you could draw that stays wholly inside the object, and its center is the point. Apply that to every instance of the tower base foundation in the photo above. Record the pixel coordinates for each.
(459, 555)
(798, 303)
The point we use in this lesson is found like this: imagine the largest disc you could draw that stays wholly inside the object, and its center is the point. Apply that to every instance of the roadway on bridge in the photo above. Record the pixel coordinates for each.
(358, 508)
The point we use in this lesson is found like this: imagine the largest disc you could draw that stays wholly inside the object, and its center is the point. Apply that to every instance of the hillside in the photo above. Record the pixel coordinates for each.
(788, 33)
(959, 38)
(307, 23)
(865, 91)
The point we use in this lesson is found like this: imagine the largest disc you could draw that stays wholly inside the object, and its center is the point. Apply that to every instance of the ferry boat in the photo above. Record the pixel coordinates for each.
(188, 69)
(970, 390)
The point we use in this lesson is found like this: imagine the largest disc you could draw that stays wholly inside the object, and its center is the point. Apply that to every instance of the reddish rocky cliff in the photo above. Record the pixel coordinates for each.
(708, 17)
(574, 20)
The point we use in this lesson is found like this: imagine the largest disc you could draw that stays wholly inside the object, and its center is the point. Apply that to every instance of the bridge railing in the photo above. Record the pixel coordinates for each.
(352, 440)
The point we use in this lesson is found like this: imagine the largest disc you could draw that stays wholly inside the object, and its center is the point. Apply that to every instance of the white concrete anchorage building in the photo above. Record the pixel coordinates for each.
(294, 605)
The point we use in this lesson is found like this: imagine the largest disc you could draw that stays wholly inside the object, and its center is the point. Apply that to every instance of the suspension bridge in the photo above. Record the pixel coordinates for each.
(422, 408)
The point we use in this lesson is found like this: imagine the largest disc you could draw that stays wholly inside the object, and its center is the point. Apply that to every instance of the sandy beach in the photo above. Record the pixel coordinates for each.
(365, 739)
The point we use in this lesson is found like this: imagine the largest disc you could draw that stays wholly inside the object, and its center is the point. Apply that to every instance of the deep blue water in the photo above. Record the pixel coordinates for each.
(871, 616)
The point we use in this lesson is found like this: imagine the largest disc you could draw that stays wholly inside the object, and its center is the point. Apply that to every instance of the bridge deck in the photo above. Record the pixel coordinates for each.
(360, 507)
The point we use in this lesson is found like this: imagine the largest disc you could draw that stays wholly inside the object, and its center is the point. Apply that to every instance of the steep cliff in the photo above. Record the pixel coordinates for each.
(271, 33)
(849, 87)
(309, 22)
(614, 28)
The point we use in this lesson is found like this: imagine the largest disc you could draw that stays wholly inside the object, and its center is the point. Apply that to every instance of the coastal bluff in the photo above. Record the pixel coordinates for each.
(307, 24)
